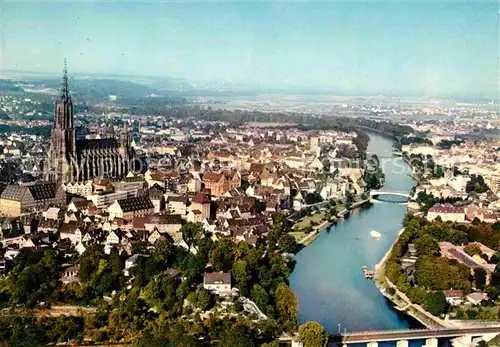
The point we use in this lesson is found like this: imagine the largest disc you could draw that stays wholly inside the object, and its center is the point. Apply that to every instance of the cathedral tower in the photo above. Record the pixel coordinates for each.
(63, 159)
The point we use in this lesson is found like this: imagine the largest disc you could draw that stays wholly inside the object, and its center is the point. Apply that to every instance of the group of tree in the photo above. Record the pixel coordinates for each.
(476, 184)
(150, 296)
(313, 198)
(432, 273)
(426, 201)
(373, 176)
(424, 165)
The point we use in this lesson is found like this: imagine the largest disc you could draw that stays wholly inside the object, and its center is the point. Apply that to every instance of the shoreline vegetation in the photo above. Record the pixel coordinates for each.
(305, 239)
(398, 299)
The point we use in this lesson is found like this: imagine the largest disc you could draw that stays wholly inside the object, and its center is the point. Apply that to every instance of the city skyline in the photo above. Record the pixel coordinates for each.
(417, 48)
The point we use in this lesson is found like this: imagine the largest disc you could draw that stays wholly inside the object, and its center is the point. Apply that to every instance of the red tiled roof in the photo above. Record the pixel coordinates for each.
(201, 198)
(446, 208)
(217, 278)
(212, 177)
(453, 293)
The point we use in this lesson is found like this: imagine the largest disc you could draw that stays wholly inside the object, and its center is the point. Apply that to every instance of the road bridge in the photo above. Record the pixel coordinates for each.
(373, 337)
(375, 193)
(385, 154)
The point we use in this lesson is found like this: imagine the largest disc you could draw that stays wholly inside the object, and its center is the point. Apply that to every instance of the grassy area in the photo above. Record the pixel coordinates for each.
(316, 218)
(340, 207)
(300, 235)
(310, 239)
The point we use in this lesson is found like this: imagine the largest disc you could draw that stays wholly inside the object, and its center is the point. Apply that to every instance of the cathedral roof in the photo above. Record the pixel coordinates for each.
(86, 144)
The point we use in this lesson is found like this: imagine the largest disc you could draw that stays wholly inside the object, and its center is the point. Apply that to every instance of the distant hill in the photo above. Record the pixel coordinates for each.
(9, 86)
(90, 89)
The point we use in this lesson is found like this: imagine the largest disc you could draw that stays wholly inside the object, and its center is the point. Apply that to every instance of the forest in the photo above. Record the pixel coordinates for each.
(163, 296)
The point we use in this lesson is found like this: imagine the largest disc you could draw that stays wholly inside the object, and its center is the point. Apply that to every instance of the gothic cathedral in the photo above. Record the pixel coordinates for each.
(72, 160)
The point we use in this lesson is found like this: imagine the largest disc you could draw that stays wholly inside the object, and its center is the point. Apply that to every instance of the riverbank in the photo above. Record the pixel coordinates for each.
(323, 279)
(400, 301)
(306, 239)
(309, 238)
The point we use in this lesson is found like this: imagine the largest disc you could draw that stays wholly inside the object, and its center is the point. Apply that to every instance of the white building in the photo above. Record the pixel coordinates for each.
(103, 200)
(217, 282)
(446, 212)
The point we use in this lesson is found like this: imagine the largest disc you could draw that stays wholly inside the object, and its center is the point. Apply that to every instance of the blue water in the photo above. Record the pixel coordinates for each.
(327, 277)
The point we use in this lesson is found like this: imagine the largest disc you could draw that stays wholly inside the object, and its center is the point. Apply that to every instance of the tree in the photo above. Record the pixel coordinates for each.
(426, 245)
(391, 291)
(476, 184)
(286, 306)
(312, 334)
(287, 243)
(476, 221)
(472, 249)
(205, 299)
(436, 303)
(116, 263)
(313, 198)
(202, 299)
(240, 274)
(480, 278)
(221, 255)
(89, 261)
(259, 296)
(191, 232)
(237, 335)
(436, 273)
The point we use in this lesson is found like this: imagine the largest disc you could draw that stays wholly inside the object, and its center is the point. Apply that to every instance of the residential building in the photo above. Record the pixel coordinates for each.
(177, 204)
(215, 182)
(131, 207)
(446, 212)
(201, 202)
(217, 282)
(164, 223)
(103, 200)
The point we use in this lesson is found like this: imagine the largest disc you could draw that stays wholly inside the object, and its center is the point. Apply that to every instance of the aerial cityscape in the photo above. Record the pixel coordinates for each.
(250, 174)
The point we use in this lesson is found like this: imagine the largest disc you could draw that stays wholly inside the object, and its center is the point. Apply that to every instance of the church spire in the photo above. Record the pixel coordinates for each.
(64, 83)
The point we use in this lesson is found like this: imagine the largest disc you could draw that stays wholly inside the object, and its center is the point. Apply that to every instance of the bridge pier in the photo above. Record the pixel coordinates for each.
(432, 342)
(372, 344)
(462, 341)
(402, 343)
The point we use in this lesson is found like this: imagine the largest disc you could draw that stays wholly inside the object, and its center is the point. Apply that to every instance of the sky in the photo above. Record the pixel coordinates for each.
(425, 48)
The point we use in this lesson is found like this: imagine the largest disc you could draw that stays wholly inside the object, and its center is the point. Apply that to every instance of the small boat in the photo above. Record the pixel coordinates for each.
(368, 273)
(375, 234)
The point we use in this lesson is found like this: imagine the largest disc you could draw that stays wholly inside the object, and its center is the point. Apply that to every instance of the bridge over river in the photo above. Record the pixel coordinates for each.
(431, 335)
(375, 193)
(386, 154)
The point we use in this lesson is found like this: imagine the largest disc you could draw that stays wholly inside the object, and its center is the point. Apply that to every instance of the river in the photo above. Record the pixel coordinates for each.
(327, 277)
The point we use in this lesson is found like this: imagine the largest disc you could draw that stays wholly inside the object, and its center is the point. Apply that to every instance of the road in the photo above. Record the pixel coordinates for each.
(395, 335)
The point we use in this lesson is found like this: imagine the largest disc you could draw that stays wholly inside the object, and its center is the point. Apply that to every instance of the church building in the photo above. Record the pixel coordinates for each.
(77, 160)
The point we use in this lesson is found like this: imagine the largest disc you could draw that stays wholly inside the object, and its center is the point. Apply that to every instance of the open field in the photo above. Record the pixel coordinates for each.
(304, 238)
(304, 223)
